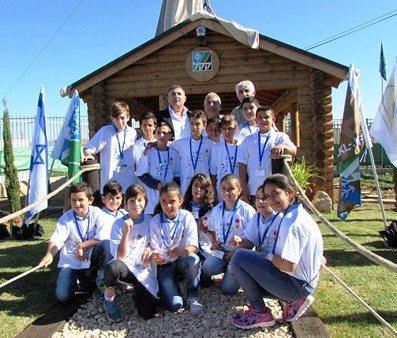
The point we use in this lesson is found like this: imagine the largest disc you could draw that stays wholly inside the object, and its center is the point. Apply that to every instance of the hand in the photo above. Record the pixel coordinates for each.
(80, 254)
(128, 225)
(216, 246)
(228, 255)
(277, 151)
(158, 258)
(148, 146)
(235, 240)
(159, 186)
(177, 252)
(46, 260)
(201, 226)
(87, 158)
(147, 255)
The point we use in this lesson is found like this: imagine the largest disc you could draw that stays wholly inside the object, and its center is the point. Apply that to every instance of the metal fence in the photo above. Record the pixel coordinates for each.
(22, 130)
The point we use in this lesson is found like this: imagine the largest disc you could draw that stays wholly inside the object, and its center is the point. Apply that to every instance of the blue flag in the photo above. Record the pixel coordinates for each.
(67, 148)
(382, 63)
(38, 175)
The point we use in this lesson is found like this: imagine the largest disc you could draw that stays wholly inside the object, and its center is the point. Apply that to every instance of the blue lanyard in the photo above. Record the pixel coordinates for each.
(172, 232)
(262, 152)
(78, 228)
(248, 127)
(230, 161)
(226, 233)
(261, 239)
(279, 226)
(198, 153)
(197, 207)
(166, 163)
(121, 148)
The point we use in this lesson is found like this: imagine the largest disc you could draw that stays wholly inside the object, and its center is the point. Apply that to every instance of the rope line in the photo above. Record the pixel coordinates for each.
(20, 276)
(47, 197)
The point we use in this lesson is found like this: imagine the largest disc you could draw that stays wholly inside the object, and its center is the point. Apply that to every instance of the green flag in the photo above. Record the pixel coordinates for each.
(382, 63)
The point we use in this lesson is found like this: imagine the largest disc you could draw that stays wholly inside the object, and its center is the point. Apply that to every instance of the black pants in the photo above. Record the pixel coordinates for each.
(145, 302)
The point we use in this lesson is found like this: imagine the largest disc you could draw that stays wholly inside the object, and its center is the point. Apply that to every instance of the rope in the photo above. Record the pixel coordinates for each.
(370, 309)
(362, 250)
(47, 197)
(20, 276)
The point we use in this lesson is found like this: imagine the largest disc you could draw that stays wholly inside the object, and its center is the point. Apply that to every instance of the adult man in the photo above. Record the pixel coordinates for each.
(176, 114)
(243, 89)
(212, 105)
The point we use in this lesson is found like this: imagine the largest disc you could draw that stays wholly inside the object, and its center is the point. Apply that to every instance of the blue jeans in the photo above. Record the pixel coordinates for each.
(170, 292)
(258, 277)
(67, 277)
(214, 266)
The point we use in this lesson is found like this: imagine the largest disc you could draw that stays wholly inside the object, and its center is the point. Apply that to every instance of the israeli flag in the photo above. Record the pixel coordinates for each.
(38, 175)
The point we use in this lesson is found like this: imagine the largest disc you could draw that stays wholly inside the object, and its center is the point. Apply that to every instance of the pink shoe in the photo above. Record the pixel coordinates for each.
(294, 309)
(253, 318)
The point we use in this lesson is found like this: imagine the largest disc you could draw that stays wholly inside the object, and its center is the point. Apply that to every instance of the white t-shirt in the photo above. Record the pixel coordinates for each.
(195, 157)
(160, 165)
(71, 230)
(137, 242)
(181, 125)
(245, 130)
(251, 152)
(227, 223)
(139, 148)
(109, 219)
(223, 161)
(116, 154)
(258, 230)
(179, 232)
(298, 240)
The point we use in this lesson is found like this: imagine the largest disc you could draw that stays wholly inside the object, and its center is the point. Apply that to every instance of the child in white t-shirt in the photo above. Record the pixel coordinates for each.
(227, 219)
(82, 240)
(159, 166)
(147, 124)
(174, 240)
(195, 151)
(257, 151)
(133, 255)
(115, 144)
(249, 105)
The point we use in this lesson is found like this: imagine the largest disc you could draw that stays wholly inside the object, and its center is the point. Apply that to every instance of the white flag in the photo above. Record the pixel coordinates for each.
(384, 127)
(38, 175)
(62, 145)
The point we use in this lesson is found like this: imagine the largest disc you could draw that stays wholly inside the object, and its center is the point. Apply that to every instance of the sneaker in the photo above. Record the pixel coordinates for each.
(253, 318)
(112, 311)
(293, 310)
(195, 307)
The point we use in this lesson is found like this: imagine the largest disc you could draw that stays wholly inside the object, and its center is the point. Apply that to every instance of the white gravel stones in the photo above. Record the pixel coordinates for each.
(90, 320)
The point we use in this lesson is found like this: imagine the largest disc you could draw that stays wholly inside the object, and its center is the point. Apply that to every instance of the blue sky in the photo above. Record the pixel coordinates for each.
(55, 43)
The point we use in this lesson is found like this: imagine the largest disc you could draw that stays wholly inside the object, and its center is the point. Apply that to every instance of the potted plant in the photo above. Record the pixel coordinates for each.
(304, 173)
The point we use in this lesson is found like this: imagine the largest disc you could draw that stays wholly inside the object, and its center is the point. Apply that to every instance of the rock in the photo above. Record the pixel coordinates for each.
(322, 202)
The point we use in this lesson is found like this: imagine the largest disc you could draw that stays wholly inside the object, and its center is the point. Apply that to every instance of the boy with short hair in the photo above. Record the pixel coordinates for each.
(112, 198)
(224, 153)
(258, 149)
(195, 151)
(249, 105)
(115, 144)
(80, 239)
(159, 166)
(147, 124)
(213, 129)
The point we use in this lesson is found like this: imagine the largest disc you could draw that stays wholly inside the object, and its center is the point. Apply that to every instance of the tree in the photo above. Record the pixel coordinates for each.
(10, 170)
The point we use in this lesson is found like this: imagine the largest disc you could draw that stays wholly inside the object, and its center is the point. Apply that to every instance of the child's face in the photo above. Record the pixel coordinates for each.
(121, 121)
(112, 202)
(262, 204)
(264, 120)
(229, 131)
(244, 92)
(170, 203)
(197, 127)
(277, 198)
(135, 206)
(230, 191)
(198, 191)
(147, 127)
(163, 135)
(213, 131)
(249, 111)
(80, 203)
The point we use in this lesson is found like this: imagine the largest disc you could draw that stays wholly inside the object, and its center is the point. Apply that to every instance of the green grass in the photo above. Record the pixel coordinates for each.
(30, 297)
(342, 314)
(26, 299)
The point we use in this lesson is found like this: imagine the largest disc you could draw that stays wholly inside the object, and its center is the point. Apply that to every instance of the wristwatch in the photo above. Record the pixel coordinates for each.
(269, 256)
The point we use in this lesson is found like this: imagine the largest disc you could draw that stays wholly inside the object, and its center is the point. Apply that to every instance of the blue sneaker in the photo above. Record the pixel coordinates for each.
(112, 311)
